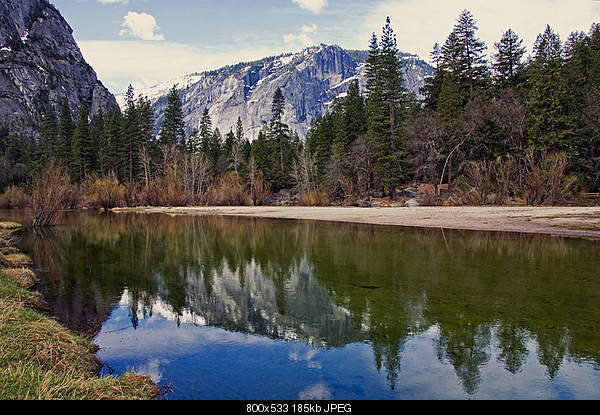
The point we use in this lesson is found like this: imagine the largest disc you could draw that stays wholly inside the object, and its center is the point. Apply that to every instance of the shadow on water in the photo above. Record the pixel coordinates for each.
(484, 298)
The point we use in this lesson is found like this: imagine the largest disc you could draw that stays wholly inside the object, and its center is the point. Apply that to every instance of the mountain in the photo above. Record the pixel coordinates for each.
(41, 64)
(310, 81)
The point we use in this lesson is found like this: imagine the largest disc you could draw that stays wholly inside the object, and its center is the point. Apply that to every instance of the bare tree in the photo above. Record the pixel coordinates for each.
(362, 165)
(426, 140)
(195, 174)
(50, 195)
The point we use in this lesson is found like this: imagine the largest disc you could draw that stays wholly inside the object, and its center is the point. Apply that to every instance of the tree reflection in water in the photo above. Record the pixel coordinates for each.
(330, 285)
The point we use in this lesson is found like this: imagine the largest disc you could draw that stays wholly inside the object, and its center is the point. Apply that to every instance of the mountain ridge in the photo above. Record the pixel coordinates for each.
(40, 65)
(310, 80)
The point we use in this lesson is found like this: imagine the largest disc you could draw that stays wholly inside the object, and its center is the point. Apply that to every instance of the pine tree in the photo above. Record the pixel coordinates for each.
(99, 138)
(433, 84)
(473, 62)
(148, 151)
(386, 105)
(172, 131)
(80, 165)
(463, 55)
(130, 152)
(548, 124)
(65, 134)
(279, 142)
(48, 136)
(206, 133)
(354, 115)
(114, 144)
(508, 59)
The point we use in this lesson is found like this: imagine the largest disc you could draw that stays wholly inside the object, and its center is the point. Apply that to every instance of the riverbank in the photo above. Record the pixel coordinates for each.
(561, 221)
(39, 358)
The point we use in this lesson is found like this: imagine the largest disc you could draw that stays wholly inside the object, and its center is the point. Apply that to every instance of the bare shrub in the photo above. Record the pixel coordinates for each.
(260, 190)
(51, 193)
(230, 190)
(105, 192)
(545, 180)
(479, 177)
(315, 198)
(132, 194)
(169, 190)
(490, 182)
(14, 198)
(505, 172)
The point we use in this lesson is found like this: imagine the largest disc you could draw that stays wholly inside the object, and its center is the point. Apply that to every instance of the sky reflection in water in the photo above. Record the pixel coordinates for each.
(252, 309)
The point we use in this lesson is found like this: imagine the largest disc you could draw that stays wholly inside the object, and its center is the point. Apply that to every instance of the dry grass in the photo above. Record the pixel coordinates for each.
(15, 260)
(24, 277)
(10, 225)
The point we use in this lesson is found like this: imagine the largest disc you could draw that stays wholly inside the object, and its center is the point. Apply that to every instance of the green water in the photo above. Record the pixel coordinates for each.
(224, 308)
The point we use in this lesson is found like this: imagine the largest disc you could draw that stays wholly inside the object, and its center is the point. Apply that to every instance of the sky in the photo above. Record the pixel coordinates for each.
(143, 42)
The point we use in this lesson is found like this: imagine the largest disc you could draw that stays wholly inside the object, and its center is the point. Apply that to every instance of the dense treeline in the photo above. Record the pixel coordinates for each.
(485, 130)
(507, 127)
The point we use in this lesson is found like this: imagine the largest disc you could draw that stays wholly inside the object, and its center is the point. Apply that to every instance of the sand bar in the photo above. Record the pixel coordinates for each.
(563, 221)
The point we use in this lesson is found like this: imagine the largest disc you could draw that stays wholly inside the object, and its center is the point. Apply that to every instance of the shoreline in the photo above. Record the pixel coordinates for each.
(40, 359)
(578, 222)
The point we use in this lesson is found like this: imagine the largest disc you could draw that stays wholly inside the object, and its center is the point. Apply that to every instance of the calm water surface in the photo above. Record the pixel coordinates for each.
(224, 308)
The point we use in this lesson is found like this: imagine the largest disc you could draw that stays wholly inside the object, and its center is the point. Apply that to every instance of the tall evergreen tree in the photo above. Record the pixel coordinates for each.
(81, 148)
(65, 134)
(148, 150)
(548, 123)
(48, 135)
(386, 106)
(172, 131)
(463, 55)
(508, 59)
(279, 142)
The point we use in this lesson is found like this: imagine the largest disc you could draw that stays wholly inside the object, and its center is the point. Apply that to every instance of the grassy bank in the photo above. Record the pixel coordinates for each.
(39, 358)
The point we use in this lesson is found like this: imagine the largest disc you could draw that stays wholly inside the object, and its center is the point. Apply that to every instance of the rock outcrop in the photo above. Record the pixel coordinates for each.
(40, 65)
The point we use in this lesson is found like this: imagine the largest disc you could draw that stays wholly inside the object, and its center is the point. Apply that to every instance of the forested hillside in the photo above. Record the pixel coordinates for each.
(495, 124)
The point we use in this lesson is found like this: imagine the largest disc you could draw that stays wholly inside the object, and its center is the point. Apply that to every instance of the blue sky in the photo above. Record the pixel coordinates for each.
(144, 42)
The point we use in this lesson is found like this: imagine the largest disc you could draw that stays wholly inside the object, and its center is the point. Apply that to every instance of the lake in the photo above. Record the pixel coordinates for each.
(226, 308)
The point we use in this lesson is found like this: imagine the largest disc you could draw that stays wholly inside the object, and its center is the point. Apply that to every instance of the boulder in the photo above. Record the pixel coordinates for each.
(412, 203)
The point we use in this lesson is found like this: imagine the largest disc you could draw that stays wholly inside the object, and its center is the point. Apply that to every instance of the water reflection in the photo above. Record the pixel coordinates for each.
(481, 300)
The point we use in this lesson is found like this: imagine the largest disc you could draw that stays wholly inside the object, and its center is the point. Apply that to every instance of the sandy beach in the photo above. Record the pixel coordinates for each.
(562, 221)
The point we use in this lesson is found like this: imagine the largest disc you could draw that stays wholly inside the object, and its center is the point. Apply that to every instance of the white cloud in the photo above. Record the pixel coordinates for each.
(314, 6)
(113, 1)
(147, 63)
(140, 25)
(419, 24)
(301, 39)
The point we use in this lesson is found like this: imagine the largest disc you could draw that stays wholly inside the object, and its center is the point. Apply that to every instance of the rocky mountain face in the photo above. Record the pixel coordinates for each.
(40, 65)
(310, 81)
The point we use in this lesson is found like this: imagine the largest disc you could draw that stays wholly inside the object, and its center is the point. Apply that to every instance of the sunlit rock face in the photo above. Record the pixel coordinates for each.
(310, 81)
(40, 65)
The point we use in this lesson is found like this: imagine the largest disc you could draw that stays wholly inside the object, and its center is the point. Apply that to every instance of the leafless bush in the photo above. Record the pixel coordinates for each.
(479, 177)
(490, 182)
(105, 192)
(260, 190)
(315, 198)
(14, 198)
(167, 191)
(51, 193)
(545, 180)
(230, 190)
(133, 195)
(505, 172)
